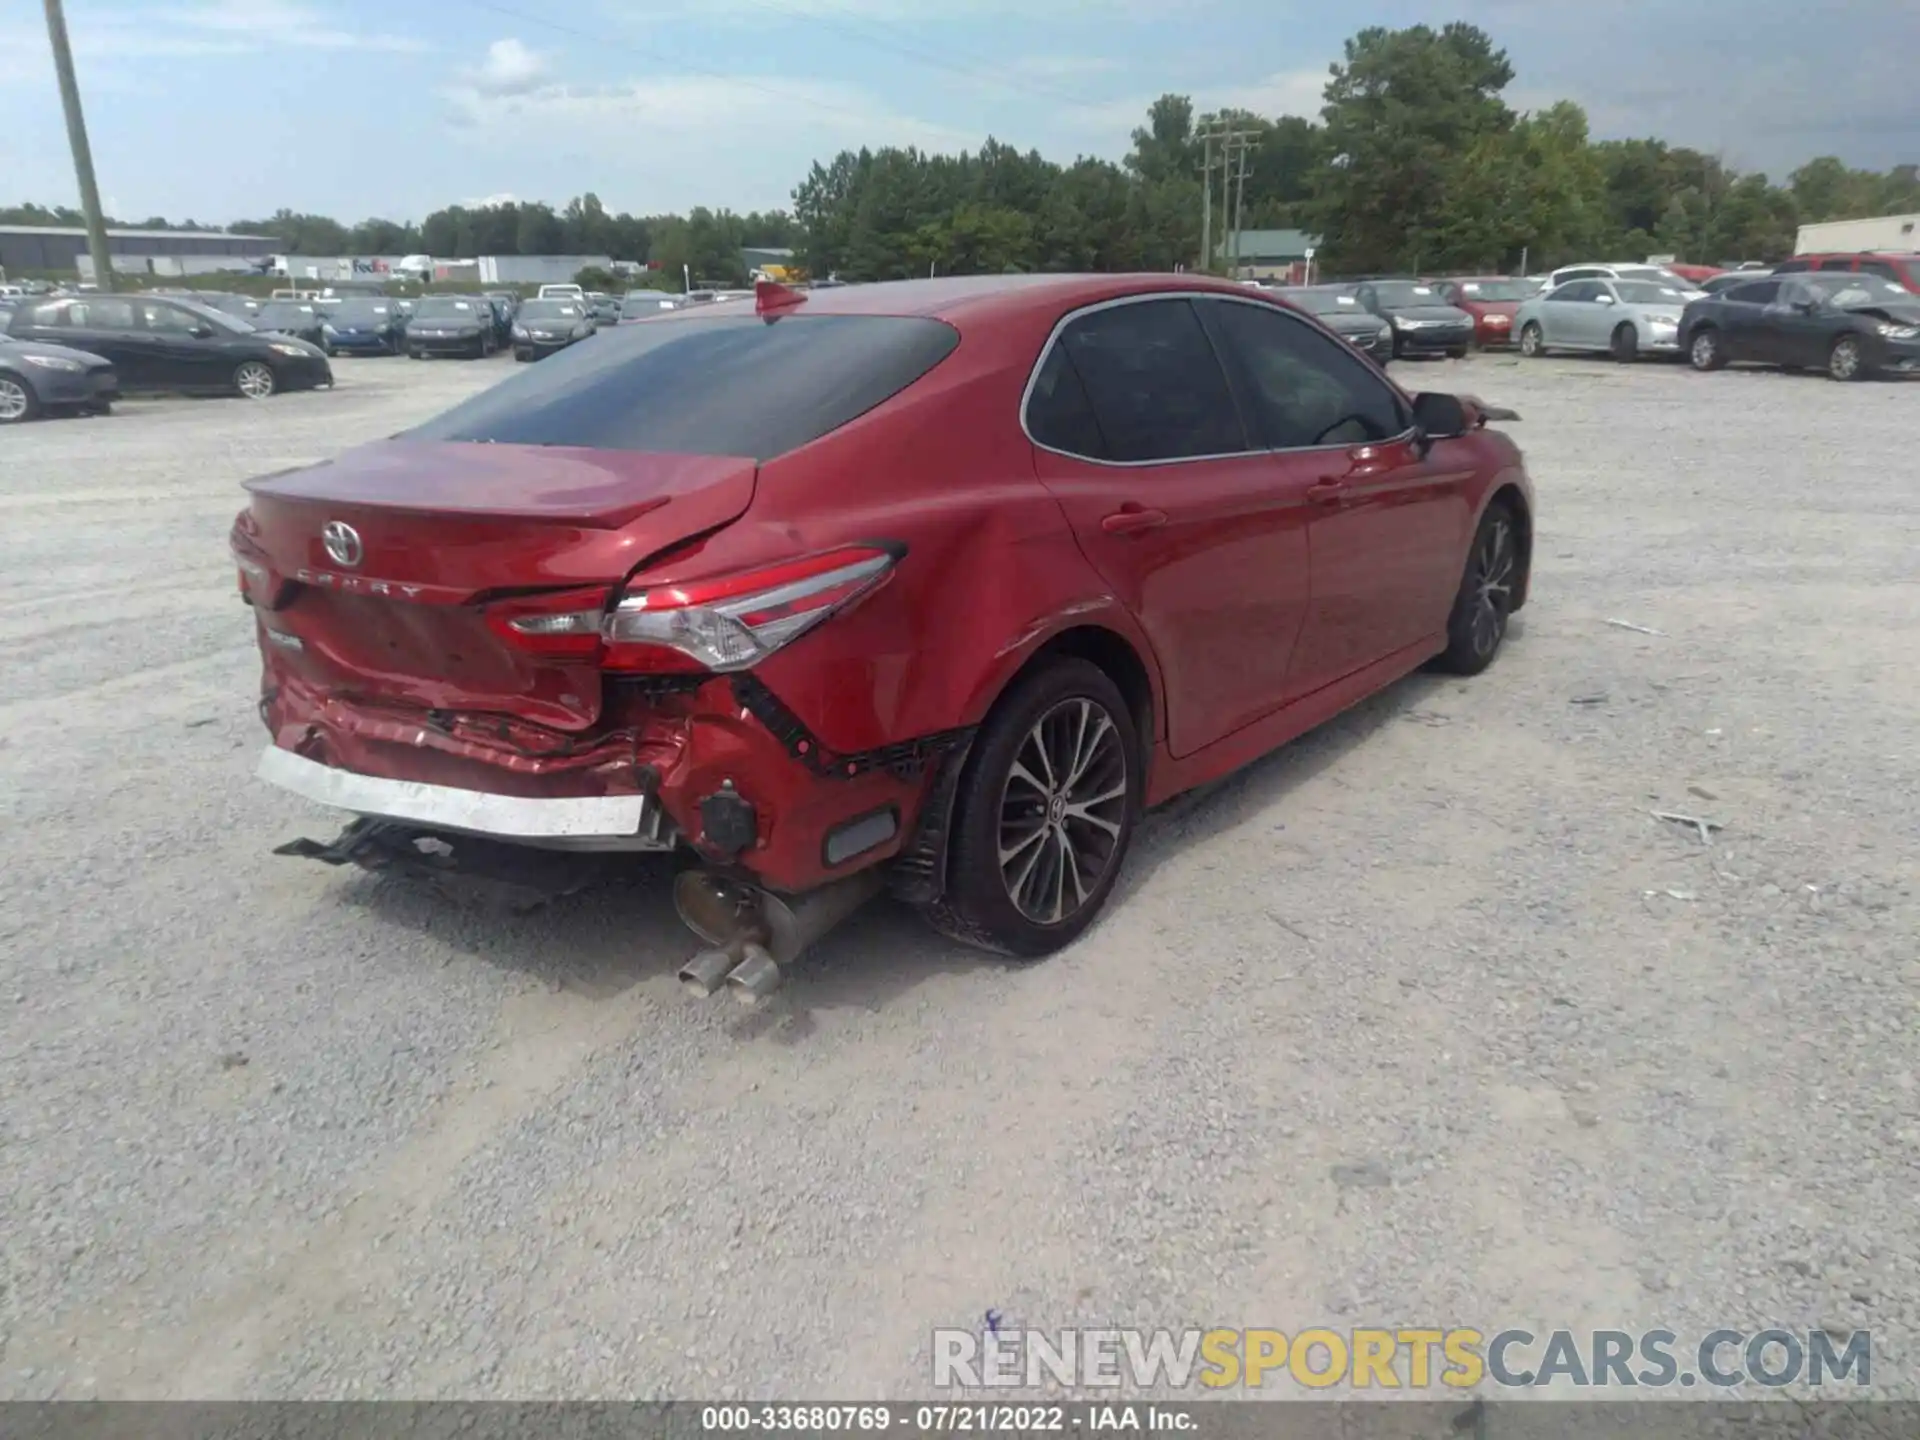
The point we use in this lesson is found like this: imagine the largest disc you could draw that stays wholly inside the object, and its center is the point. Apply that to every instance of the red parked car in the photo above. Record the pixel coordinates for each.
(933, 585)
(1492, 300)
(1901, 268)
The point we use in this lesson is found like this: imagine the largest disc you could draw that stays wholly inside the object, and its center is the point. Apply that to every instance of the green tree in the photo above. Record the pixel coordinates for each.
(1401, 107)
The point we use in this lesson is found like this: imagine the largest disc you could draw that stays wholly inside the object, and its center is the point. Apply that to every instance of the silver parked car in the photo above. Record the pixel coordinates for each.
(1624, 318)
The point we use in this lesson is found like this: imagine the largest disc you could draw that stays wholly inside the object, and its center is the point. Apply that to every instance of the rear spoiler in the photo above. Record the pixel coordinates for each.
(1479, 413)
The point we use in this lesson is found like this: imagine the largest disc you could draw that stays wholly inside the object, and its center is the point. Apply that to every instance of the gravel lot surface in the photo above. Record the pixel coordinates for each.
(1424, 1020)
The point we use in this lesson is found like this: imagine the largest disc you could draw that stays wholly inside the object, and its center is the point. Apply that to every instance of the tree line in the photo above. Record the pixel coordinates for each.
(1415, 163)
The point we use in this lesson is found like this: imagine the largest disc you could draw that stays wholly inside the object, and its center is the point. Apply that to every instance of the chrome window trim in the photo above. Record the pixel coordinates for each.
(1114, 303)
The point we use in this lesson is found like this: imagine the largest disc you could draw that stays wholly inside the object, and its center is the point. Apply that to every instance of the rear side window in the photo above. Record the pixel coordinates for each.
(1882, 269)
(739, 385)
(1841, 262)
(1787, 267)
(1059, 415)
(1155, 386)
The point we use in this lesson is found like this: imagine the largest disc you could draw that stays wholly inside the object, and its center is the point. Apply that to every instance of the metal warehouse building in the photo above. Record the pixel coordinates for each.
(1881, 232)
(25, 248)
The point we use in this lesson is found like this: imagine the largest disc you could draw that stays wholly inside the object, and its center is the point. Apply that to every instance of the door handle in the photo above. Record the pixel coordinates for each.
(1326, 492)
(1129, 518)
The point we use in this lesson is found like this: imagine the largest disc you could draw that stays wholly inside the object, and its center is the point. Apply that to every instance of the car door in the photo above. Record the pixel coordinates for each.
(110, 326)
(1744, 321)
(1139, 436)
(1799, 327)
(181, 357)
(1563, 312)
(1388, 518)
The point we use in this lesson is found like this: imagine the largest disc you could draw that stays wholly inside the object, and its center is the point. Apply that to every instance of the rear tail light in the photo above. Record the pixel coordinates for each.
(733, 622)
(564, 623)
(258, 585)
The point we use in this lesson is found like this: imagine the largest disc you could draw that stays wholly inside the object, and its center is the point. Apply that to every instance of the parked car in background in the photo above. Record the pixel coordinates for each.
(299, 318)
(546, 326)
(455, 325)
(640, 304)
(1423, 323)
(604, 308)
(365, 327)
(1902, 269)
(1490, 299)
(698, 601)
(36, 379)
(562, 292)
(1653, 274)
(1693, 274)
(1726, 279)
(1624, 318)
(228, 303)
(162, 344)
(1852, 326)
(1335, 307)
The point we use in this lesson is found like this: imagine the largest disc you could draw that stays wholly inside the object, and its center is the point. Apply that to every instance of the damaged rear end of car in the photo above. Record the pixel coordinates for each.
(522, 630)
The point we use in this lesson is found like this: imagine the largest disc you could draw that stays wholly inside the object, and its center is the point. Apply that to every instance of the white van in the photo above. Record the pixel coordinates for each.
(562, 292)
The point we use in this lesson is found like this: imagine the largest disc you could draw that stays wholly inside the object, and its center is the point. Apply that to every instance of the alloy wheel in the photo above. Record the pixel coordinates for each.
(1704, 348)
(1844, 363)
(13, 400)
(255, 380)
(1061, 810)
(1530, 341)
(1492, 585)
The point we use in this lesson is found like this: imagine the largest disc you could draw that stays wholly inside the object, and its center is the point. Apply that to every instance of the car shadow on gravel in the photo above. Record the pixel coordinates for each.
(623, 930)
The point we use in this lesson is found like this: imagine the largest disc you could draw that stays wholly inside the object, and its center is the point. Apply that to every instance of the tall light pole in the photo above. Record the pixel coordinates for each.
(82, 153)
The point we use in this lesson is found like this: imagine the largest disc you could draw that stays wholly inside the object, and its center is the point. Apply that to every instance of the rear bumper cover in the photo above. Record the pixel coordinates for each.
(633, 818)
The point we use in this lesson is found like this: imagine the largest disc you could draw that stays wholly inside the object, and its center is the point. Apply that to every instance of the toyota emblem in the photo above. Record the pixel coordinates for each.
(343, 543)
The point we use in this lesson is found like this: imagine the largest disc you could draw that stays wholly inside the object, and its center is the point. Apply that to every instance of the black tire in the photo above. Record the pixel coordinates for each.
(18, 403)
(1533, 344)
(1478, 622)
(1458, 353)
(1050, 707)
(1399, 351)
(1625, 344)
(415, 355)
(100, 407)
(1847, 360)
(1704, 350)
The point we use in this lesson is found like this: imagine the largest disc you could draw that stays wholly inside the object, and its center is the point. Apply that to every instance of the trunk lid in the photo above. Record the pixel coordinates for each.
(426, 535)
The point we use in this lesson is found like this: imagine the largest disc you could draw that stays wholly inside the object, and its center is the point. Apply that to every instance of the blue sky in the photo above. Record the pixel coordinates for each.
(218, 109)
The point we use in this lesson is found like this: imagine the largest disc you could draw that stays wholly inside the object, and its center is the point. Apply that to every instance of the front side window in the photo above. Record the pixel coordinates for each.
(168, 320)
(1154, 382)
(1305, 389)
(1761, 292)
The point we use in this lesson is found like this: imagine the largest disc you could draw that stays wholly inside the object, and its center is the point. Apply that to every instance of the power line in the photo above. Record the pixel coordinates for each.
(1235, 140)
(883, 37)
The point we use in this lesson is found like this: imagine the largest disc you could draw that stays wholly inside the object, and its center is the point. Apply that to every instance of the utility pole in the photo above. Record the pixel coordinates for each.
(1234, 142)
(1206, 195)
(82, 152)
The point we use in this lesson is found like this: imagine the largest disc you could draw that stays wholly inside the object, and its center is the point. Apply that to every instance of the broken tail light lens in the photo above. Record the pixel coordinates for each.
(565, 623)
(258, 584)
(733, 622)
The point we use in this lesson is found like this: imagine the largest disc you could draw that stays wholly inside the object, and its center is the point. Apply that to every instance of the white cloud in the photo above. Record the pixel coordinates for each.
(510, 68)
(1286, 92)
(505, 197)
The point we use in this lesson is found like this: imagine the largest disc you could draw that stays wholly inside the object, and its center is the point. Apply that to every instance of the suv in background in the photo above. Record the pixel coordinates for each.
(1903, 268)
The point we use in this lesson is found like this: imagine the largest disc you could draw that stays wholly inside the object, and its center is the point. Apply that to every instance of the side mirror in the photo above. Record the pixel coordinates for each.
(1439, 416)
(1806, 307)
(201, 332)
(1604, 298)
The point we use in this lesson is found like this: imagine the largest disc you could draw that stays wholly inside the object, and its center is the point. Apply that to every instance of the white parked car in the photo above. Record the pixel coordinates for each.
(1654, 274)
(1624, 318)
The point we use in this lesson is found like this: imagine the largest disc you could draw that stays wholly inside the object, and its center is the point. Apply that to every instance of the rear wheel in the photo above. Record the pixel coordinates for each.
(1625, 345)
(254, 379)
(1532, 343)
(1845, 361)
(1459, 352)
(1479, 620)
(1705, 352)
(1044, 814)
(18, 403)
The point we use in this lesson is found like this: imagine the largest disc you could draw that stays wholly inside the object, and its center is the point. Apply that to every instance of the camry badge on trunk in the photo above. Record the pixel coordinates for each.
(342, 542)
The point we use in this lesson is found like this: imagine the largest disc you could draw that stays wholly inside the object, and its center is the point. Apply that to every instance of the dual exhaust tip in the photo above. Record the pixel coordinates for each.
(754, 934)
(745, 968)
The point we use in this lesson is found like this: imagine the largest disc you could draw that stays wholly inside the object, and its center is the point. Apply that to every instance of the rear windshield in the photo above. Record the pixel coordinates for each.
(705, 385)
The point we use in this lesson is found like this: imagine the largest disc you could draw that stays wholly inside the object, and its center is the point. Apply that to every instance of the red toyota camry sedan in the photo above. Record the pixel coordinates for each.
(929, 586)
